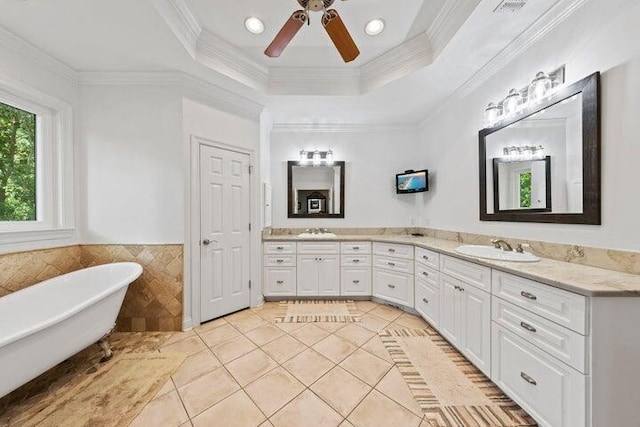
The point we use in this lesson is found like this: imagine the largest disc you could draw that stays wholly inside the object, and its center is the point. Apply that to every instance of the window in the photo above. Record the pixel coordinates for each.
(36, 167)
(18, 195)
(525, 189)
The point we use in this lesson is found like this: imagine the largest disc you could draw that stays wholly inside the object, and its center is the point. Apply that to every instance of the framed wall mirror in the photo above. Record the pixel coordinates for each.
(544, 162)
(316, 190)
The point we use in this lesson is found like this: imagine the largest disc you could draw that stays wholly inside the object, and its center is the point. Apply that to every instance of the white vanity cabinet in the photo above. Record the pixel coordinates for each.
(427, 287)
(280, 269)
(355, 269)
(465, 315)
(393, 278)
(318, 269)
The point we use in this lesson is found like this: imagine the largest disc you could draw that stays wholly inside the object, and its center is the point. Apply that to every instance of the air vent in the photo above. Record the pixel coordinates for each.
(510, 6)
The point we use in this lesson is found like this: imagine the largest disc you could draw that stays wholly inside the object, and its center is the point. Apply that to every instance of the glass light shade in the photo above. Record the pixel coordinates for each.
(329, 157)
(316, 158)
(254, 25)
(539, 87)
(540, 152)
(512, 102)
(491, 114)
(303, 156)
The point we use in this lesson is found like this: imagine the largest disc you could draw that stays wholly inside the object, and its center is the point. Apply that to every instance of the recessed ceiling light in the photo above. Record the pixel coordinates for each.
(374, 27)
(254, 25)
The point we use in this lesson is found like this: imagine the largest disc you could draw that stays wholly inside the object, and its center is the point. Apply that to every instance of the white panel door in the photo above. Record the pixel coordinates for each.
(329, 275)
(225, 249)
(308, 266)
(476, 327)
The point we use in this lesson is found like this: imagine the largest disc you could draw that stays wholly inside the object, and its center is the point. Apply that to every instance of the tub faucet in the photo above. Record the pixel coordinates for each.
(501, 244)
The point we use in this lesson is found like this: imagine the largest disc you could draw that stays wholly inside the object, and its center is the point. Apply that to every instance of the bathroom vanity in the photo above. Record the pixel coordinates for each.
(552, 335)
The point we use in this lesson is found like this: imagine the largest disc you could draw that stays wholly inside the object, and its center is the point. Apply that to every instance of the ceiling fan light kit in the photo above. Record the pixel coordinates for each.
(254, 25)
(331, 21)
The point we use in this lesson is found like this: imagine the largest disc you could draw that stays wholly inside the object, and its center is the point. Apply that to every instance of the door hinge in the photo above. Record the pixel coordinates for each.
(249, 226)
(250, 170)
(249, 284)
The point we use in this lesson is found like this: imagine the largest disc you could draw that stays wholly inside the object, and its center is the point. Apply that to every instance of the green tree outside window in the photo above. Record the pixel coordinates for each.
(525, 190)
(17, 164)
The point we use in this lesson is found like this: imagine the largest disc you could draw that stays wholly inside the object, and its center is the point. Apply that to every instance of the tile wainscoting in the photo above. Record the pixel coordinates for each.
(153, 302)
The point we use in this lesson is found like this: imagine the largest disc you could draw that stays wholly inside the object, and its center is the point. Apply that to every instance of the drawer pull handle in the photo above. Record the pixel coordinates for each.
(280, 248)
(392, 264)
(425, 273)
(356, 260)
(456, 287)
(280, 282)
(528, 379)
(425, 257)
(391, 250)
(426, 301)
(392, 286)
(356, 248)
(528, 327)
(356, 281)
(528, 295)
(279, 261)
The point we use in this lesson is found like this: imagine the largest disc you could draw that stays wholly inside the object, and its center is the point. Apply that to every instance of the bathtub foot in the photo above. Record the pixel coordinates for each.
(103, 343)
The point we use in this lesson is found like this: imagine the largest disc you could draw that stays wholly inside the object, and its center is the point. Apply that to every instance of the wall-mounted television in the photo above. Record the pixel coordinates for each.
(412, 182)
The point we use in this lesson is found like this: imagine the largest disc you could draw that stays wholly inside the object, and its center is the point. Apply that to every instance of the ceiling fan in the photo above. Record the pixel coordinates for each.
(331, 22)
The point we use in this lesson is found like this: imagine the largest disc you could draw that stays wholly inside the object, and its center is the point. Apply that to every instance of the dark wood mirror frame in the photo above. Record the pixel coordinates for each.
(290, 198)
(496, 187)
(591, 162)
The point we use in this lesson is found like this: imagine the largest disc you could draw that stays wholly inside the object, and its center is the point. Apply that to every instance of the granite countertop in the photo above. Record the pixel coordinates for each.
(581, 279)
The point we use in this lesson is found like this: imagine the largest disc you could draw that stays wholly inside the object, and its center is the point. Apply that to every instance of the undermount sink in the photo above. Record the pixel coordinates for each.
(490, 252)
(317, 235)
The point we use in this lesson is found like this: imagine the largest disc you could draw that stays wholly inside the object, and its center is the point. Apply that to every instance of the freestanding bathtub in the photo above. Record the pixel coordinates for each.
(46, 323)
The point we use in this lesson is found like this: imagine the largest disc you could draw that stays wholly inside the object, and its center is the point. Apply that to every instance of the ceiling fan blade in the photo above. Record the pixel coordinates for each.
(340, 35)
(286, 34)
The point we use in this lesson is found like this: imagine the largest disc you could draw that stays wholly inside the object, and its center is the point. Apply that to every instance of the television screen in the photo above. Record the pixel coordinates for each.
(412, 182)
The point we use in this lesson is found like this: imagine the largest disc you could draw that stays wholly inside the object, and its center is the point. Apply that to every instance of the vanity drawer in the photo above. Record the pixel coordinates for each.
(280, 261)
(280, 248)
(473, 274)
(356, 281)
(354, 260)
(393, 286)
(393, 249)
(428, 301)
(426, 274)
(428, 258)
(318, 248)
(562, 307)
(550, 391)
(395, 264)
(355, 247)
(280, 281)
(560, 342)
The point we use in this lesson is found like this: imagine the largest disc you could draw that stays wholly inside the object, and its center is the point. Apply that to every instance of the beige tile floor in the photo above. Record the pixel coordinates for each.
(245, 370)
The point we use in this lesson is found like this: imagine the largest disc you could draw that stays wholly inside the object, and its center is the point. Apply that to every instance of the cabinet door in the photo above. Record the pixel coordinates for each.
(308, 266)
(450, 309)
(355, 281)
(393, 286)
(476, 327)
(280, 281)
(428, 301)
(329, 275)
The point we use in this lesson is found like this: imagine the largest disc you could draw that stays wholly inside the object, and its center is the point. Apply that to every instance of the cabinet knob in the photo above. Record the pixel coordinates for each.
(392, 264)
(528, 379)
(356, 260)
(528, 327)
(356, 248)
(528, 295)
(424, 300)
(392, 286)
(280, 248)
(279, 261)
(280, 282)
(425, 273)
(425, 257)
(391, 250)
(356, 281)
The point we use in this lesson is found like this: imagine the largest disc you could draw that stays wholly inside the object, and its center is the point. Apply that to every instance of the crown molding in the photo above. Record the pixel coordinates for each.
(100, 78)
(542, 26)
(217, 54)
(182, 21)
(314, 81)
(450, 18)
(398, 62)
(37, 55)
(340, 128)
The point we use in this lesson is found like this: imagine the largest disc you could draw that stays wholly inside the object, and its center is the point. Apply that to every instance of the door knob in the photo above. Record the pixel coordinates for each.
(207, 242)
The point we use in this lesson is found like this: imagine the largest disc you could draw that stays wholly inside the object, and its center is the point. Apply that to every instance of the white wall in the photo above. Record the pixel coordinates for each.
(602, 36)
(132, 165)
(373, 158)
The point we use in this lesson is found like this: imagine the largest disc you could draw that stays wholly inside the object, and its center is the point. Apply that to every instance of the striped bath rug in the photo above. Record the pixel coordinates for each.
(317, 311)
(451, 391)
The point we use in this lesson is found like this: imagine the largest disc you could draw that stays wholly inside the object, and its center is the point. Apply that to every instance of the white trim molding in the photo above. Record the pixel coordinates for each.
(340, 128)
(182, 22)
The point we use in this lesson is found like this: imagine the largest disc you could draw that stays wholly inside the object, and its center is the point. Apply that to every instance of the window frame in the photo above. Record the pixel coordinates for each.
(55, 209)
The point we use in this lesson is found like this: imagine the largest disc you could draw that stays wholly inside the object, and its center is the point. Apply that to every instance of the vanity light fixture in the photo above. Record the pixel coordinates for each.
(374, 27)
(317, 157)
(521, 153)
(254, 25)
(542, 86)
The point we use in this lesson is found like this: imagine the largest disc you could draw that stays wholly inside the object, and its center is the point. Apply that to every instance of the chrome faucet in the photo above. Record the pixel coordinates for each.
(316, 231)
(501, 244)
